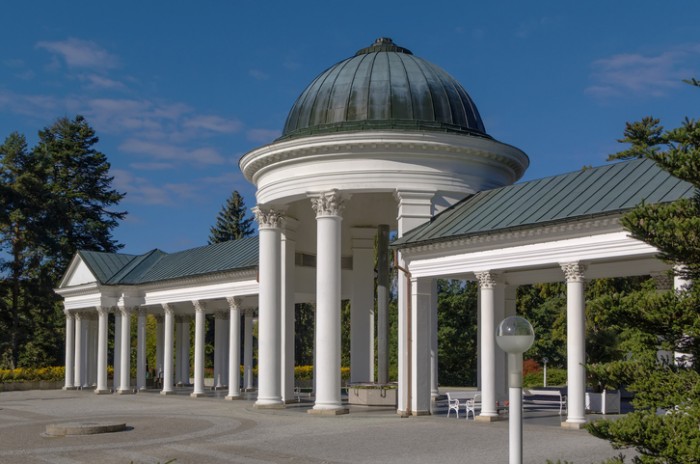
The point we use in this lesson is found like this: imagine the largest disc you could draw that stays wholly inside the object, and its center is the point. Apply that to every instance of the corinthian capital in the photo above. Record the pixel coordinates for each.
(268, 218)
(574, 272)
(329, 203)
(487, 279)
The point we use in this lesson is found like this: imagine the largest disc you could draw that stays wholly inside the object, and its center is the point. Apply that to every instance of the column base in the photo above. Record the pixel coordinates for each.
(481, 418)
(169, 392)
(104, 391)
(125, 392)
(197, 394)
(573, 425)
(329, 412)
(279, 405)
(232, 398)
(69, 388)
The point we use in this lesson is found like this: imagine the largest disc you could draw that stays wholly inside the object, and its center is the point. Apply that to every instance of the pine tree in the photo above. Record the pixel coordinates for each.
(667, 321)
(233, 221)
(81, 194)
(56, 199)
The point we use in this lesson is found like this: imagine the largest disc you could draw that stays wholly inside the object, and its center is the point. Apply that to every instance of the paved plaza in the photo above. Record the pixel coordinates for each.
(213, 430)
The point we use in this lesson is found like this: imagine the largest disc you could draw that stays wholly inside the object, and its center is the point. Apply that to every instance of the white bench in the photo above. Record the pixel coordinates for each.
(544, 397)
(470, 400)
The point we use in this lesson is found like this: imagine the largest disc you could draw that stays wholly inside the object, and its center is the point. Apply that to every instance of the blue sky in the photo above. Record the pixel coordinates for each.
(178, 91)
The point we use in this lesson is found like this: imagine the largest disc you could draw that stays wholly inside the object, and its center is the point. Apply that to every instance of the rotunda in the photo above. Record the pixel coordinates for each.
(381, 139)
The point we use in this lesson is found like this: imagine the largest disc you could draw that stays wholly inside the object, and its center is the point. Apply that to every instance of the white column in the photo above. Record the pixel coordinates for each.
(361, 303)
(287, 308)
(116, 367)
(269, 346)
(234, 348)
(328, 207)
(70, 351)
(102, 335)
(501, 357)
(219, 337)
(186, 350)
(125, 357)
(168, 350)
(78, 359)
(159, 346)
(248, 350)
(415, 208)
(487, 284)
(434, 390)
(420, 346)
(199, 323)
(178, 350)
(575, 344)
(90, 347)
(141, 350)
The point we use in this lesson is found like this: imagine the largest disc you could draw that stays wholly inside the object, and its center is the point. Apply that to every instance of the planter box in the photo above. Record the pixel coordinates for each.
(603, 403)
(372, 395)
(39, 385)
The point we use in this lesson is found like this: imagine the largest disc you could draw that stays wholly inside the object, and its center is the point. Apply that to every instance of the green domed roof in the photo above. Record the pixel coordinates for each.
(383, 86)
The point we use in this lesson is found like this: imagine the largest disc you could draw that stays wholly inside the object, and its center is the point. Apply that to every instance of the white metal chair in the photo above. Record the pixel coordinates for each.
(472, 405)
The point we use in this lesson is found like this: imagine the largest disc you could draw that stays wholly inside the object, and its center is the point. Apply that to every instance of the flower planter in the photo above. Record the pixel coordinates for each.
(368, 394)
(607, 402)
(37, 385)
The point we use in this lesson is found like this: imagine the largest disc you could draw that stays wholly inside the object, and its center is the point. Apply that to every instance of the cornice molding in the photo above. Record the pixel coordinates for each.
(378, 143)
(532, 234)
(604, 247)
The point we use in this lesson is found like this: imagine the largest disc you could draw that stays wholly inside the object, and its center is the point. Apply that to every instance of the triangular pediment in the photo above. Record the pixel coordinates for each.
(78, 274)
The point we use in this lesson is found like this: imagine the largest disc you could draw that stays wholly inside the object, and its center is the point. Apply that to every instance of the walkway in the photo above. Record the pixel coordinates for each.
(212, 430)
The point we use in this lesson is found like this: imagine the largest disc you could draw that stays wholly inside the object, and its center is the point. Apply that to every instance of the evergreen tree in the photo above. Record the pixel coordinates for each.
(233, 221)
(56, 199)
(23, 189)
(457, 327)
(664, 321)
(81, 196)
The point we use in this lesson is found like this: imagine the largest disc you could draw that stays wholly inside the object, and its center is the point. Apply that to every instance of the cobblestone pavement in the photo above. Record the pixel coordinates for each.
(184, 430)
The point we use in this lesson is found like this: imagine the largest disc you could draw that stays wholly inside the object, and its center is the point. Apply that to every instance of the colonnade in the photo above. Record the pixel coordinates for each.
(86, 354)
(276, 300)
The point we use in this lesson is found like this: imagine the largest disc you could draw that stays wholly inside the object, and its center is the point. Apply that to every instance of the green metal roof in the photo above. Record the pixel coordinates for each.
(604, 190)
(383, 86)
(104, 265)
(157, 265)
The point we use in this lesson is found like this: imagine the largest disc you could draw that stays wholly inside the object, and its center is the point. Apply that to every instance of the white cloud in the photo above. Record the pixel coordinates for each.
(258, 74)
(141, 190)
(78, 53)
(262, 135)
(172, 152)
(152, 166)
(213, 124)
(95, 81)
(634, 74)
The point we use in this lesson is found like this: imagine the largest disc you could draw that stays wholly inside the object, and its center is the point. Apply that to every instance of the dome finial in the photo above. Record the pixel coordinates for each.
(383, 44)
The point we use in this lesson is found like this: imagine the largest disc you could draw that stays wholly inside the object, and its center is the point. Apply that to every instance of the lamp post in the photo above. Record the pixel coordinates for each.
(544, 361)
(515, 335)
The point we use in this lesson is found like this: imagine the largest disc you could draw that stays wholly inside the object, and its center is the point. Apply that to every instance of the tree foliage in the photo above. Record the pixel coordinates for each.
(232, 222)
(665, 426)
(56, 199)
(457, 332)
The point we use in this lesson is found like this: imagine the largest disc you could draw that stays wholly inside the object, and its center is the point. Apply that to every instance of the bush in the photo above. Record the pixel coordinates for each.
(555, 377)
(307, 373)
(27, 374)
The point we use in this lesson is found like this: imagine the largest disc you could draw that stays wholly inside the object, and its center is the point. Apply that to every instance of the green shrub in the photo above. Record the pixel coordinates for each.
(555, 377)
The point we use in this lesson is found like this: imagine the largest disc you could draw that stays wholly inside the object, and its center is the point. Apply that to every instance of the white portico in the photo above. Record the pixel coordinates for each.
(218, 280)
(563, 228)
(383, 138)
